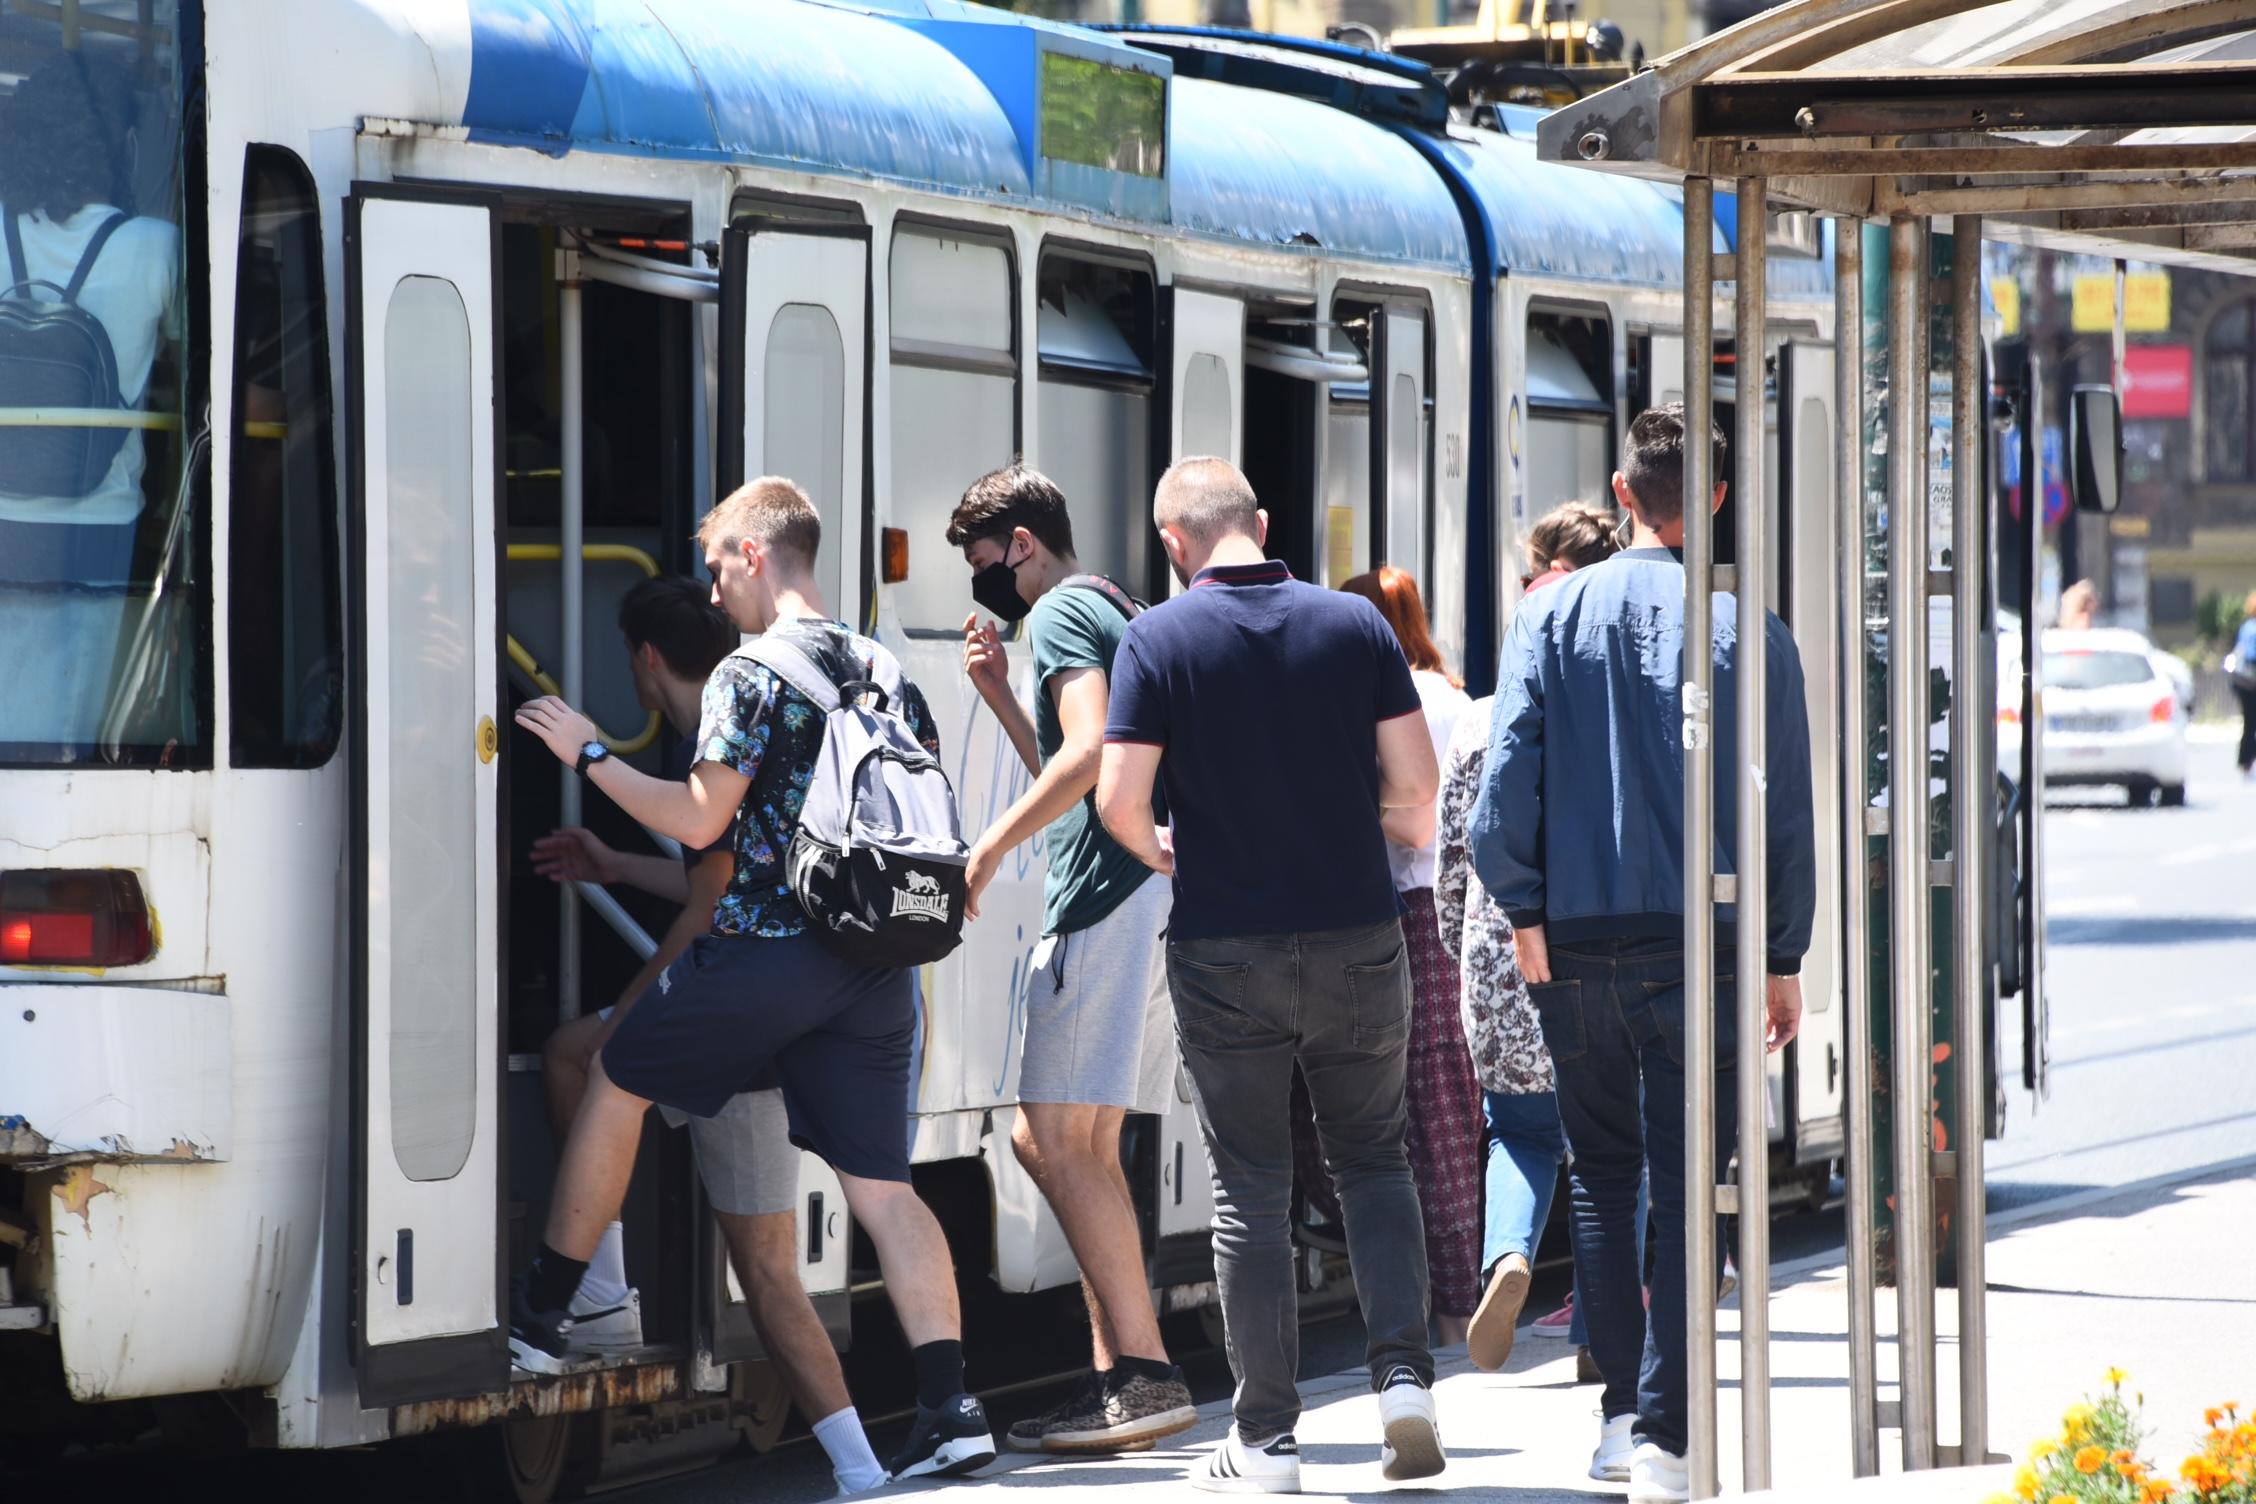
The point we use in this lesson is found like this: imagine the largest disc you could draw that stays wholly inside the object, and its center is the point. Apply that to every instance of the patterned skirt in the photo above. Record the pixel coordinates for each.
(1446, 1134)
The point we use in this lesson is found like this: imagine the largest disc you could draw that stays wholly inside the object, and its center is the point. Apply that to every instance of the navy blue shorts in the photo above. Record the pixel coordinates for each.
(738, 1014)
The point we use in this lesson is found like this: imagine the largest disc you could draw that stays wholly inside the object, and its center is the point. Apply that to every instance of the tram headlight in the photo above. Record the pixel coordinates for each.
(74, 917)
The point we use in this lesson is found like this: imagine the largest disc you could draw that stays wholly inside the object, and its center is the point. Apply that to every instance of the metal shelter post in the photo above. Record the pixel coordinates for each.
(1910, 973)
(1697, 689)
(572, 573)
(1856, 989)
(1751, 574)
(1971, 802)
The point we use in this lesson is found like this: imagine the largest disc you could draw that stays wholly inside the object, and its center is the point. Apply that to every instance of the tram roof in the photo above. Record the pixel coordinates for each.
(2115, 127)
(940, 94)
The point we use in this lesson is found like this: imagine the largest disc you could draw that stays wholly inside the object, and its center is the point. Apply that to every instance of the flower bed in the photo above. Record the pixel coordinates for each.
(2095, 1458)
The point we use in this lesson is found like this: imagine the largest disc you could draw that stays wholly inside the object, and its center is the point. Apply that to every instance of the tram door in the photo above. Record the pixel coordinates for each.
(794, 353)
(425, 970)
(1808, 599)
(1208, 368)
(1400, 442)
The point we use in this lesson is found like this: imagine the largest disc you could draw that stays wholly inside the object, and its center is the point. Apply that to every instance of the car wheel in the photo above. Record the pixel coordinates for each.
(2139, 794)
(2173, 796)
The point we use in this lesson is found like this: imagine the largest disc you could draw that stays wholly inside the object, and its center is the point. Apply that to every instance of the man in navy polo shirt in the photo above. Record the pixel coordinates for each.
(1283, 719)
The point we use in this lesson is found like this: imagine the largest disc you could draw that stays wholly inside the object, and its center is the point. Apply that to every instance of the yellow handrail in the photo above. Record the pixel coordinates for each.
(597, 553)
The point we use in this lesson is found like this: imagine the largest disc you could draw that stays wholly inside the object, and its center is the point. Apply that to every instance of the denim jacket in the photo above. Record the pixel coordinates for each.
(1580, 822)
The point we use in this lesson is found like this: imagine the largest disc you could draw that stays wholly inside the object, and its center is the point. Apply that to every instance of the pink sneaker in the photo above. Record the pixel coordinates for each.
(1557, 1323)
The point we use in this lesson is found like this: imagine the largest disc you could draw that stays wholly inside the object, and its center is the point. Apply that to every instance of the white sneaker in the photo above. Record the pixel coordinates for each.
(1411, 1445)
(1657, 1476)
(1235, 1468)
(1610, 1463)
(603, 1329)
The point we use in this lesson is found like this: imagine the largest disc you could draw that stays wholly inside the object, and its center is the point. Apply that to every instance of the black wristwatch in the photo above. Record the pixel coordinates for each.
(590, 754)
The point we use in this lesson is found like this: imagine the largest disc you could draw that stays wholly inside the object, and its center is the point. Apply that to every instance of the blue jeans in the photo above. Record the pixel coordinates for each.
(1613, 1017)
(1525, 1148)
(1578, 1330)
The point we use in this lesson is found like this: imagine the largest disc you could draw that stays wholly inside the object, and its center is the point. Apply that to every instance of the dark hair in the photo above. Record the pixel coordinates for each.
(1654, 465)
(1013, 497)
(1575, 531)
(62, 138)
(678, 618)
(1395, 592)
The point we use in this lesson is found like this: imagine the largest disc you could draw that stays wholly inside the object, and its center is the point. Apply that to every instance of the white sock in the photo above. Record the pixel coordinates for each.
(605, 1283)
(852, 1462)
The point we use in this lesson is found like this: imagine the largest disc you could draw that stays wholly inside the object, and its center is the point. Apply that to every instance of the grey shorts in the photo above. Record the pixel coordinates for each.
(744, 1153)
(1100, 1030)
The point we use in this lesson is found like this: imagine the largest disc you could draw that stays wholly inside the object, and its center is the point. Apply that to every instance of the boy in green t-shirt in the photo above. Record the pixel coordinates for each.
(1099, 1025)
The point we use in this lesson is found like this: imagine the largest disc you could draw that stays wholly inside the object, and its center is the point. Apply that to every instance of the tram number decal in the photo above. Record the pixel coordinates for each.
(1452, 455)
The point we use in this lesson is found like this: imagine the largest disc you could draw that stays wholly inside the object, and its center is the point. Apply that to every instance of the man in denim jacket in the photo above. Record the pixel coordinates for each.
(1579, 836)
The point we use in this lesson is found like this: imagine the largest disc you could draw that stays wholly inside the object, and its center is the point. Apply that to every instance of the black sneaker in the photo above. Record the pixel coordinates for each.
(539, 1341)
(946, 1443)
(1079, 1410)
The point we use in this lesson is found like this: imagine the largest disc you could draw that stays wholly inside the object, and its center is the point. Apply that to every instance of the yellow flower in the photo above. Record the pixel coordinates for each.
(2043, 1448)
(2115, 1378)
(2090, 1459)
(2025, 1480)
(2061, 1499)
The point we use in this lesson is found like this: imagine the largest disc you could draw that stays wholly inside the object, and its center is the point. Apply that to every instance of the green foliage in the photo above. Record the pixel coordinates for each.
(2215, 619)
(1103, 116)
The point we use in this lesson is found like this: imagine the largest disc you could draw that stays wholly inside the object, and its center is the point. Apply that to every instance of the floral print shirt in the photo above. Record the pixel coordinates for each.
(1501, 1027)
(763, 728)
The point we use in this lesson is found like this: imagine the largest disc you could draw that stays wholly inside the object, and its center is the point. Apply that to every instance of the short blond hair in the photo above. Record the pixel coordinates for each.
(773, 512)
(1205, 500)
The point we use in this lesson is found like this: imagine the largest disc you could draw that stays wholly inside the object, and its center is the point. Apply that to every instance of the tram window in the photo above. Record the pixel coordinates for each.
(1347, 488)
(954, 402)
(1094, 324)
(285, 638)
(431, 554)
(104, 572)
(805, 425)
(1570, 444)
(1206, 406)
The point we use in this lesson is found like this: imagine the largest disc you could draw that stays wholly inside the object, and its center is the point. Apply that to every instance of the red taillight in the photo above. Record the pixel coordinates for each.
(73, 918)
(2163, 710)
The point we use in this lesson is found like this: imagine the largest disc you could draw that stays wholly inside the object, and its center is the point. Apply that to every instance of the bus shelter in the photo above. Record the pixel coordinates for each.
(2121, 128)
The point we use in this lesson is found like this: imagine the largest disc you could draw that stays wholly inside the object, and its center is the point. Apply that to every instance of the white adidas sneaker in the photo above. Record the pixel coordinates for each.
(1412, 1432)
(1236, 1468)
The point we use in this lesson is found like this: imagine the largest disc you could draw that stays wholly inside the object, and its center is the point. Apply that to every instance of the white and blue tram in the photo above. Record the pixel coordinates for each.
(472, 307)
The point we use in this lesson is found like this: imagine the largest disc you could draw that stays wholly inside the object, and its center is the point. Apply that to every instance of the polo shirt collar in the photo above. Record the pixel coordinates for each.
(1267, 572)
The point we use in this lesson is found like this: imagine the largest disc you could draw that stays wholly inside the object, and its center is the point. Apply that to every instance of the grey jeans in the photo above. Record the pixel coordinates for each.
(1338, 1002)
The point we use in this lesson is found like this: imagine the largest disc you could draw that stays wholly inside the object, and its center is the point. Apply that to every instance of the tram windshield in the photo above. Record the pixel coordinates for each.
(102, 584)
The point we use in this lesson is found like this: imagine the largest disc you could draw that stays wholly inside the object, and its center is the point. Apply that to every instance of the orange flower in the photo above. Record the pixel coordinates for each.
(2154, 1491)
(2131, 1471)
(2061, 1499)
(2211, 1416)
(2090, 1459)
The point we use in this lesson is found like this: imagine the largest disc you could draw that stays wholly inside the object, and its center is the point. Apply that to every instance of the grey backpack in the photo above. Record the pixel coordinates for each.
(878, 861)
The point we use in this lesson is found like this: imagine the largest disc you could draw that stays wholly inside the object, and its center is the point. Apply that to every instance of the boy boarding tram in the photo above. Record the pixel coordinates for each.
(761, 997)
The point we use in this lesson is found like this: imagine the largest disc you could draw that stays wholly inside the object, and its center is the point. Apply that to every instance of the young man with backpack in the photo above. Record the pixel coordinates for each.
(1099, 1037)
(804, 976)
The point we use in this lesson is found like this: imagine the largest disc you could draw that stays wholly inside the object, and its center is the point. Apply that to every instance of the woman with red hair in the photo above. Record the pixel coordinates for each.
(1444, 1100)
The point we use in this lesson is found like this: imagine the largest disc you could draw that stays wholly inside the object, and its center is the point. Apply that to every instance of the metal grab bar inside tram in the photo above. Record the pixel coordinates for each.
(519, 654)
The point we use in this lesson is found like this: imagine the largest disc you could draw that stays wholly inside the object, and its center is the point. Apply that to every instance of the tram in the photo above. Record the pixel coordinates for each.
(469, 309)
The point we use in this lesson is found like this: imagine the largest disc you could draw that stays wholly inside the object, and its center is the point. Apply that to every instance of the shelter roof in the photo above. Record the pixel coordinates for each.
(2117, 127)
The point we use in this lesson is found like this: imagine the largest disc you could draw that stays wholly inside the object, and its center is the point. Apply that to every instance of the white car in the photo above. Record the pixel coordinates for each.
(2114, 714)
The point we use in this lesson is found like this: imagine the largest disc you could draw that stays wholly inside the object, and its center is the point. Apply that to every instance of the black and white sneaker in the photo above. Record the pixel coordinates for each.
(539, 1341)
(1237, 1468)
(1412, 1431)
(947, 1442)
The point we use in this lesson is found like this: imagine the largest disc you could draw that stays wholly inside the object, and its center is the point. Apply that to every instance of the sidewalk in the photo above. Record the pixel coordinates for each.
(2158, 1280)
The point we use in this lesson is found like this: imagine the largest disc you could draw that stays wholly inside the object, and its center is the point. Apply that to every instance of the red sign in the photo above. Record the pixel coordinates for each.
(2158, 381)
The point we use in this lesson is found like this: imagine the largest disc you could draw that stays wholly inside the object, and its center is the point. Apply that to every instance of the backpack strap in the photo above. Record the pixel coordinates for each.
(795, 668)
(1127, 605)
(85, 262)
(19, 272)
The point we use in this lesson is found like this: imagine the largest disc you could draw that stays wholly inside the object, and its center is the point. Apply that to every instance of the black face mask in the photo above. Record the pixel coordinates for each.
(995, 588)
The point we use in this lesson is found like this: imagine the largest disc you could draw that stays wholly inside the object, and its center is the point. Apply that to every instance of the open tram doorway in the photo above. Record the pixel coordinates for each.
(528, 387)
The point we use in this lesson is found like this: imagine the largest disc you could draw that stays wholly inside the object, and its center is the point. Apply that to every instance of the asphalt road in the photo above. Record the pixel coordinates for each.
(2152, 983)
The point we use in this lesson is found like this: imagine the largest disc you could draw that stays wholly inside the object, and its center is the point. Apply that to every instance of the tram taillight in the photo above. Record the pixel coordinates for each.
(65, 917)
